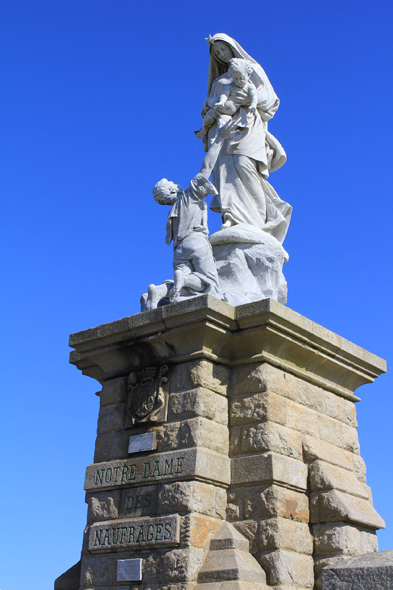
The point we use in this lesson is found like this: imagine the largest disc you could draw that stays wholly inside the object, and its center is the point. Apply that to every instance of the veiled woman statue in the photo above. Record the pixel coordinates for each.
(250, 152)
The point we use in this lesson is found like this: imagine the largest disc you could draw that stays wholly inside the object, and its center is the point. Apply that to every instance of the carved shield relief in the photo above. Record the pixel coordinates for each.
(148, 395)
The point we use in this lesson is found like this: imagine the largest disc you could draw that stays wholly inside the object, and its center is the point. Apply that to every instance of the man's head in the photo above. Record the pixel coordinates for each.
(203, 186)
(240, 70)
(165, 192)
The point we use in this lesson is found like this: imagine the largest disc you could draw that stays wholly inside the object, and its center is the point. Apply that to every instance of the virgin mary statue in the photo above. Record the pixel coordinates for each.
(249, 153)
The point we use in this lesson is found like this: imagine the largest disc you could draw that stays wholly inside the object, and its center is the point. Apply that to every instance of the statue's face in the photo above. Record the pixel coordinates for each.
(222, 51)
(240, 78)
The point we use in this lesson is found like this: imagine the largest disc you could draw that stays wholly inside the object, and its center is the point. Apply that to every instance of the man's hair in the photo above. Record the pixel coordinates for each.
(240, 65)
(160, 186)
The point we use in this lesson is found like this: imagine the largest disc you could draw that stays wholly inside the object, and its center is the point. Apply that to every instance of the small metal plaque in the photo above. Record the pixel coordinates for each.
(129, 570)
(142, 442)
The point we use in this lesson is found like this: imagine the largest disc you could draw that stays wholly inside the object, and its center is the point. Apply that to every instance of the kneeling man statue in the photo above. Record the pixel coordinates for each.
(194, 268)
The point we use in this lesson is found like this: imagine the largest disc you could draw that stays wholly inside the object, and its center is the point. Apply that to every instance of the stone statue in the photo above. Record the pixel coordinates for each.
(243, 261)
(250, 153)
(195, 272)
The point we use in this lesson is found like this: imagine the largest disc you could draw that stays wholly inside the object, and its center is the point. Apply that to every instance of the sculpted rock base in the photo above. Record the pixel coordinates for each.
(249, 264)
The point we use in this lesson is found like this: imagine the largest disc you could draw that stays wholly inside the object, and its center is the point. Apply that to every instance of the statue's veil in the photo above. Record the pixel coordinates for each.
(217, 68)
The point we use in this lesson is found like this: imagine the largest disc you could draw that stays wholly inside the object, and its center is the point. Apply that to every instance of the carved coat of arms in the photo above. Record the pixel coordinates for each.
(148, 395)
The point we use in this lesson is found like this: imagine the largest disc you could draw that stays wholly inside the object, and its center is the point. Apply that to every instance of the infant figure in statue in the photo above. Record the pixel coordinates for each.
(236, 91)
(195, 272)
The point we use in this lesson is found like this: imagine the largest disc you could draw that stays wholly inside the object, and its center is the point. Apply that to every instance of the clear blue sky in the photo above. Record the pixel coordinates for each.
(99, 100)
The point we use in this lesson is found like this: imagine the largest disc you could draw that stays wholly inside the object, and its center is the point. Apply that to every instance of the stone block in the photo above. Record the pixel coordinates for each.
(324, 476)
(191, 433)
(288, 567)
(336, 407)
(140, 501)
(322, 562)
(234, 510)
(359, 467)
(269, 468)
(351, 414)
(249, 529)
(364, 572)
(103, 505)
(282, 533)
(198, 529)
(198, 402)
(99, 570)
(269, 436)
(182, 565)
(315, 449)
(111, 418)
(334, 538)
(248, 379)
(285, 384)
(200, 373)
(335, 506)
(111, 446)
(70, 580)
(235, 440)
(269, 501)
(258, 407)
(302, 419)
(114, 391)
(192, 496)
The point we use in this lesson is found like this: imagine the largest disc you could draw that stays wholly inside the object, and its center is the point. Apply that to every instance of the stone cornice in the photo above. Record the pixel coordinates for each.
(205, 327)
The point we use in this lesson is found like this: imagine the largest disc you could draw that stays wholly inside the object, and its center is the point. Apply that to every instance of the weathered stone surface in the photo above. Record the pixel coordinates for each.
(364, 572)
(359, 467)
(111, 446)
(315, 449)
(258, 407)
(302, 419)
(103, 506)
(226, 561)
(192, 496)
(324, 476)
(197, 530)
(344, 538)
(134, 533)
(282, 533)
(99, 570)
(249, 529)
(182, 564)
(269, 467)
(339, 434)
(248, 379)
(114, 391)
(269, 436)
(265, 502)
(288, 567)
(196, 432)
(70, 580)
(234, 509)
(140, 501)
(198, 402)
(200, 373)
(111, 418)
(335, 506)
(199, 463)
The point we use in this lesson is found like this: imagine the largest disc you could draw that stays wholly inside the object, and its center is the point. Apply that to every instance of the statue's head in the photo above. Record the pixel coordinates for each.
(240, 70)
(222, 51)
(165, 192)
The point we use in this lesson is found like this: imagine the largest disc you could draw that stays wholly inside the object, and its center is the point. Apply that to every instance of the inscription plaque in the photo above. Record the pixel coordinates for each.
(142, 442)
(129, 570)
(174, 465)
(133, 533)
(138, 502)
